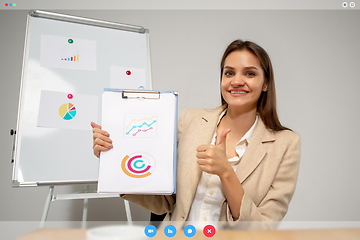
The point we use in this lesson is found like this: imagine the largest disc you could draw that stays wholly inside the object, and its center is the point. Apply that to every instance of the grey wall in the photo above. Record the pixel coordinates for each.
(315, 55)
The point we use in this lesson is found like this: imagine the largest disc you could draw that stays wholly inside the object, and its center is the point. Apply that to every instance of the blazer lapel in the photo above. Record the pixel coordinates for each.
(255, 151)
(206, 128)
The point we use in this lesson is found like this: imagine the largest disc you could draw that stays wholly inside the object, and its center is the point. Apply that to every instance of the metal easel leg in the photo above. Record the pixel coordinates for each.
(47, 206)
(85, 209)
(128, 212)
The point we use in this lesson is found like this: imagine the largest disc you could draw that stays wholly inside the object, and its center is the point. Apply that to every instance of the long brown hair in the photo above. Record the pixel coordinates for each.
(266, 106)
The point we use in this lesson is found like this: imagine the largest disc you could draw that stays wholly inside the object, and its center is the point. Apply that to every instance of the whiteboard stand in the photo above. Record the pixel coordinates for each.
(86, 195)
(105, 41)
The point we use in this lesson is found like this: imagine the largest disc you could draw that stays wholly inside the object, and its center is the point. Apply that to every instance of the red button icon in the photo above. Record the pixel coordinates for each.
(209, 230)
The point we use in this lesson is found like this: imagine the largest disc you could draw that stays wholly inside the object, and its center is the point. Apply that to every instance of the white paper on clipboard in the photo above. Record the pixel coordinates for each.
(143, 132)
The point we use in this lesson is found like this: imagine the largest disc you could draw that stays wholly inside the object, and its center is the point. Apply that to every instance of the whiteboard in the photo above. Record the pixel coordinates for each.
(66, 66)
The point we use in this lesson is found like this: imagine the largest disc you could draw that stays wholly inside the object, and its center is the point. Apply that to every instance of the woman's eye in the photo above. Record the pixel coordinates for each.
(251, 74)
(228, 73)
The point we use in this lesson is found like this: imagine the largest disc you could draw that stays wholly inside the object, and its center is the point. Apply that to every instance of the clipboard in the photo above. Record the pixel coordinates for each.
(143, 128)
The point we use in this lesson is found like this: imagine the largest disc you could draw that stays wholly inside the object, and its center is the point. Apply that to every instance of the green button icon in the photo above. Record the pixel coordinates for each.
(70, 41)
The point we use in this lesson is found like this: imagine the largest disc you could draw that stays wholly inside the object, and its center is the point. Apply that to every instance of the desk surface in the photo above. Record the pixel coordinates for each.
(306, 234)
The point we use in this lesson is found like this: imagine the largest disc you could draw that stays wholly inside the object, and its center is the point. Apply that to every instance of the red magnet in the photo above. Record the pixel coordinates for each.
(70, 96)
(128, 72)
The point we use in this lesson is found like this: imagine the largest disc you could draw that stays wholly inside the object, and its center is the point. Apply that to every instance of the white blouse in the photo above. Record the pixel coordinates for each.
(209, 193)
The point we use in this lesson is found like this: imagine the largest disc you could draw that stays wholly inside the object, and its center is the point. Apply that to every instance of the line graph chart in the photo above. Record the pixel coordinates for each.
(140, 125)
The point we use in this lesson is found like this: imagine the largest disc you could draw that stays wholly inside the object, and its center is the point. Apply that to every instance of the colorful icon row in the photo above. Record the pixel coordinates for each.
(189, 231)
(10, 4)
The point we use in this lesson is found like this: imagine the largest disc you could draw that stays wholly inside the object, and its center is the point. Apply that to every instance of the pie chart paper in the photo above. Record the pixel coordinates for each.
(67, 110)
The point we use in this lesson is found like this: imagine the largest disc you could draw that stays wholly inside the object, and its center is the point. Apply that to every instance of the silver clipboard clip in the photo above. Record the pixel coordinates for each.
(140, 94)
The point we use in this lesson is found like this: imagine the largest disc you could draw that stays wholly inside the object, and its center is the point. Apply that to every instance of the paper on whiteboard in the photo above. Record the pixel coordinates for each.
(67, 110)
(127, 77)
(141, 162)
(68, 53)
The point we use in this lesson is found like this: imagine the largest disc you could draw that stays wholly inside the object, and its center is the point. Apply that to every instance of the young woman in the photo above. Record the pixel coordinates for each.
(236, 162)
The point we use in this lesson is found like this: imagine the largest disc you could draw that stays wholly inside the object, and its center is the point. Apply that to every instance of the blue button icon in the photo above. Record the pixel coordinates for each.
(170, 231)
(150, 231)
(189, 231)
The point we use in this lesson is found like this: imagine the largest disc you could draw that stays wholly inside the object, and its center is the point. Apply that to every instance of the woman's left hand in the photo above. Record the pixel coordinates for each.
(212, 158)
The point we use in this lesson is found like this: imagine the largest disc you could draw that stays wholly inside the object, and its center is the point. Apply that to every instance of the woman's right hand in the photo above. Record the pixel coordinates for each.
(102, 142)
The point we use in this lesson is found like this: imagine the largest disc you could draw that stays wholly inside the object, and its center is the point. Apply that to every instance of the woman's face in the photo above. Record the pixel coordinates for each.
(243, 80)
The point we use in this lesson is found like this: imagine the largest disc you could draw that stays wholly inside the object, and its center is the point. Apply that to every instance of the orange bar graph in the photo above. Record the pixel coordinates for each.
(77, 57)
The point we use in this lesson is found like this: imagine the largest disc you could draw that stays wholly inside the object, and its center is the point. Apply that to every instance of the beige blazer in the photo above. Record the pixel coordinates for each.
(268, 171)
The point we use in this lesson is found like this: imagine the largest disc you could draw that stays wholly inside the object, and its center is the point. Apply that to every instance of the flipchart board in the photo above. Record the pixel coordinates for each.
(68, 61)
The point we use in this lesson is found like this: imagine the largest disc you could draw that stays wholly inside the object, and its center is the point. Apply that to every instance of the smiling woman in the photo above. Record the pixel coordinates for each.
(259, 66)
(243, 81)
(236, 162)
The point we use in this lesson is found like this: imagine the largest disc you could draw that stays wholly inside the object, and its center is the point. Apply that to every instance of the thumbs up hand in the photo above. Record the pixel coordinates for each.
(222, 140)
(212, 158)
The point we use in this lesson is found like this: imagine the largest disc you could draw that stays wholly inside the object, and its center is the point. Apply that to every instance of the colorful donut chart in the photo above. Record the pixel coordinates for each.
(138, 157)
